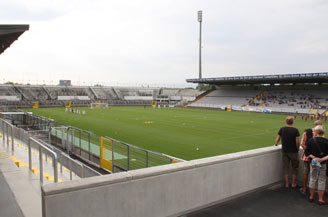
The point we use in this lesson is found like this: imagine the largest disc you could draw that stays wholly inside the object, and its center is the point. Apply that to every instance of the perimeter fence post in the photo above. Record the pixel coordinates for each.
(29, 154)
(128, 157)
(89, 145)
(67, 140)
(80, 142)
(62, 139)
(12, 139)
(70, 169)
(54, 160)
(49, 135)
(73, 140)
(113, 156)
(41, 164)
(61, 163)
(7, 128)
(146, 158)
(3, 134)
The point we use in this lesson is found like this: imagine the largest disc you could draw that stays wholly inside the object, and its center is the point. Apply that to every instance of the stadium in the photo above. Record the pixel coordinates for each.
(129, 151)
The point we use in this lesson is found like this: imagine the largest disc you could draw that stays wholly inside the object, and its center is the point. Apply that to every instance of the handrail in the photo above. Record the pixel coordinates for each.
(70, 160)
(68, 142)
(50, 152)
(141, 149)
(6, 124)
(70, 165)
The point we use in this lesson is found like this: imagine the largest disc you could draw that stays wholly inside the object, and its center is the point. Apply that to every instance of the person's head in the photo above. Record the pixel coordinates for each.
(317, 123)
(319, 130)
(289, 120)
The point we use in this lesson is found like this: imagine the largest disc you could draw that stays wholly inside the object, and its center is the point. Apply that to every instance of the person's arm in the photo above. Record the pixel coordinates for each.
(277, 140)
(298, 142)
(323, 159)
(303, 144)
(312, 156)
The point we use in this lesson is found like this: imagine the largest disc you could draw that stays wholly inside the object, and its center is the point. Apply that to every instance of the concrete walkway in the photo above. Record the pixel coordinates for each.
(8, 204)
(20, 189)
(279, 202)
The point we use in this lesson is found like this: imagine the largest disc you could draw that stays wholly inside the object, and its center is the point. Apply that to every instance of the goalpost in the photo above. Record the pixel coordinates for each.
(98, 105)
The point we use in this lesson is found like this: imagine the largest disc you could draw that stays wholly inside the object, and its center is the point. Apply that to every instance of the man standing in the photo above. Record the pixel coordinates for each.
(290, 139)
(317, 150)
(307, 135)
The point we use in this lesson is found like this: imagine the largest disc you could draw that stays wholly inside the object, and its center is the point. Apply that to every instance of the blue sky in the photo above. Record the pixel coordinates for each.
(156, 42)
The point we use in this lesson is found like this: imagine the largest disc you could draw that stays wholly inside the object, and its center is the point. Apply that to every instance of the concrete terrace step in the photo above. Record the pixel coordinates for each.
(21, 187)
(20, 194)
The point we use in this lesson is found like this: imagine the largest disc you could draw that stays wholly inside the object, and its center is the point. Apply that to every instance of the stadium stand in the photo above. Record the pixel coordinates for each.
(299, 99)
(300, 93)
(177, 96)
(223, 96)
(50, 96)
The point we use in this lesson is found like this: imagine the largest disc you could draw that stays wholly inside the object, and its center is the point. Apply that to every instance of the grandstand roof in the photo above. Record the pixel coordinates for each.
(319, 77)
(10, 33)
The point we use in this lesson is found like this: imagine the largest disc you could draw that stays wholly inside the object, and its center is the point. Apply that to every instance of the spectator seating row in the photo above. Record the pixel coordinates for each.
(290, 99)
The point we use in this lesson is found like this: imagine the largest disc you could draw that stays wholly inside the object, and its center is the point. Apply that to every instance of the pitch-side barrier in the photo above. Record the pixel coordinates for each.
(99, 151)
(13, 136)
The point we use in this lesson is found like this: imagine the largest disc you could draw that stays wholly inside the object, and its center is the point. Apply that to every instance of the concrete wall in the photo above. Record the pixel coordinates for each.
(167, 190)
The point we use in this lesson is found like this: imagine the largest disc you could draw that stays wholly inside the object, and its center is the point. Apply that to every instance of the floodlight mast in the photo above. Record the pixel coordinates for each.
(200, 19)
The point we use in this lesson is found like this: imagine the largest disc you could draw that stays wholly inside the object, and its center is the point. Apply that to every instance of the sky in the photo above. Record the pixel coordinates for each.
(147, 42)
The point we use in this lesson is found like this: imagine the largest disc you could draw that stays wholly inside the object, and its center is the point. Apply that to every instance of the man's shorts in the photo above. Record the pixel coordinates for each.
(306, 166)
(288, 158)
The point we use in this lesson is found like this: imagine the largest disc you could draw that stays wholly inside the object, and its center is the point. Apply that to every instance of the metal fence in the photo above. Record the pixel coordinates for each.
(12, 134)
(124, 156)
(103, 152)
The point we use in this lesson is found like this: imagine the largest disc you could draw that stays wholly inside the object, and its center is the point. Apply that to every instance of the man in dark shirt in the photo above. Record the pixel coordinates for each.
(290, 139)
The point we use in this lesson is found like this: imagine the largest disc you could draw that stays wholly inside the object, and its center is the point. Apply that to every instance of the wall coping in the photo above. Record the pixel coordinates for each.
(92, 182)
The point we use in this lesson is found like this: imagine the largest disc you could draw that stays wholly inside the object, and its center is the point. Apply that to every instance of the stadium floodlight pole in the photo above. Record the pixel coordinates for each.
(200, 19)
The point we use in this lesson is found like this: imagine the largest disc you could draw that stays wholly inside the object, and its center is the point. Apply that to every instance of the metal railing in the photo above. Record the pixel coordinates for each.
(86, 145)
(42, 149)
(6, 128)
(125, 156)
(12, 133)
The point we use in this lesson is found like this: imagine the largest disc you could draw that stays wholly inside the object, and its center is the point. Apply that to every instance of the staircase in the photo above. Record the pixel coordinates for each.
(117, 94)
(20, 92)
(47, 92)
(256, 98)
(94, 93)
(199, 97)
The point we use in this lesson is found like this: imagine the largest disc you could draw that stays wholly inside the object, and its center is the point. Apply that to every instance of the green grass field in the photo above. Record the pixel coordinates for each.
(179, 131)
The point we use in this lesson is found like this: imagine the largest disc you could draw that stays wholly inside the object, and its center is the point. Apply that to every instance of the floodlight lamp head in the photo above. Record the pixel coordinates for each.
(200, 16)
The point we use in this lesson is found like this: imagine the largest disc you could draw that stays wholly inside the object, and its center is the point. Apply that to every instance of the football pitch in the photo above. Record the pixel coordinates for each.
(180, 132)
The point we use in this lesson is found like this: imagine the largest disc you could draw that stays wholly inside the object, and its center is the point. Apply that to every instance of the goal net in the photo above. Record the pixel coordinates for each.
(98, 105)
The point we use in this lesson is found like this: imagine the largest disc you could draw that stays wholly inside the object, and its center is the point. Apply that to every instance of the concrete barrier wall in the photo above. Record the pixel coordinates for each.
(167, 190)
